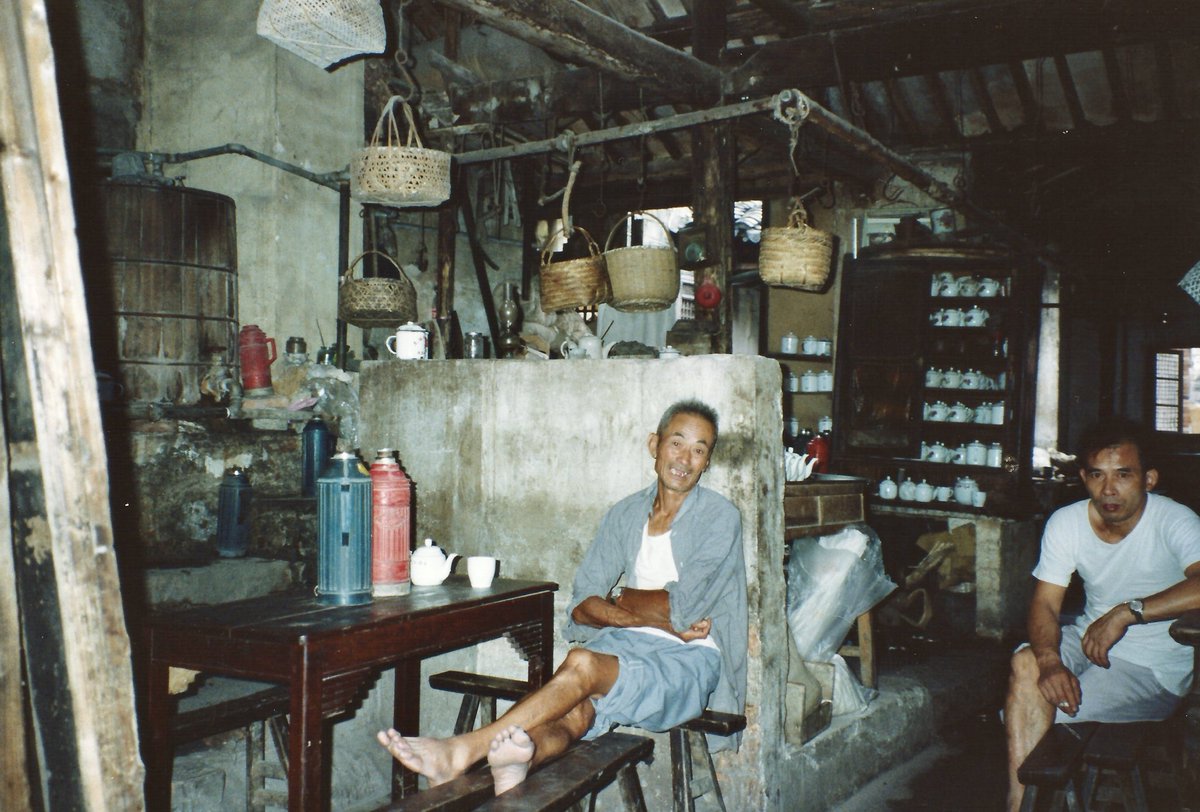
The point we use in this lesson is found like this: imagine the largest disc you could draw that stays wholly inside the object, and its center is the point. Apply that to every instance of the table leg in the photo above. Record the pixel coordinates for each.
(406, 718)
(306, 742)
(158, 751)
(541, 663)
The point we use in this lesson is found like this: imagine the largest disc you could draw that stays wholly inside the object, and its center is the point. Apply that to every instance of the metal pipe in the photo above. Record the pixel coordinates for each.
(330, 180)
(340, 332)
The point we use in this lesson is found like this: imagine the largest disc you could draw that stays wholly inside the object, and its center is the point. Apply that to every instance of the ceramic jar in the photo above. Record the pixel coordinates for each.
(887, 489)
(976, 453)
(995, 455)
(907, 490)
(923, 492)
(789, 344)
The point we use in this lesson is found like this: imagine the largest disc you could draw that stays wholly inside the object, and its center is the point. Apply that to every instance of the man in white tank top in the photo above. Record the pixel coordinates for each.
(1138, 555)
(654, 653)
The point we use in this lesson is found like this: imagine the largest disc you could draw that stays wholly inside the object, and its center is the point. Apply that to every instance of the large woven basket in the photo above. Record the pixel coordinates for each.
(797, 256)
(376, 301)
(391, 174)
(323, 32)
(571, 283)
(643, 277)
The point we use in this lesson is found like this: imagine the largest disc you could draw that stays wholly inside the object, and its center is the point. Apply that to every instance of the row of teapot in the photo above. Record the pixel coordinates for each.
(985, 414)
(965, 491)
(971, 379)
(957, 317)
(973, 453)
(947, 284)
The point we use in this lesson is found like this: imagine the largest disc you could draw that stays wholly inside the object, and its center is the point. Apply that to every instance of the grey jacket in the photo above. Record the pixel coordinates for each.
(706, 543)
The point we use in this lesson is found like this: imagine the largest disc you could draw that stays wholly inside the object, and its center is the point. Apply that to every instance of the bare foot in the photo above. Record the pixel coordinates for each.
(439, 760)
(509, 758)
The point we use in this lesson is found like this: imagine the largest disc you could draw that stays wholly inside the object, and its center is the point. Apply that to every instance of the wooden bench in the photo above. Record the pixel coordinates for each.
(582, 772)
(1071, 752)
(269, 706)
(481, 692)
(1055, 764)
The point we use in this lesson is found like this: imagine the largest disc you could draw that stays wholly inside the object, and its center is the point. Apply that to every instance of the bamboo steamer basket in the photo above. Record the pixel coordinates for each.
(572, 283)
(644, 278)
(798, 256)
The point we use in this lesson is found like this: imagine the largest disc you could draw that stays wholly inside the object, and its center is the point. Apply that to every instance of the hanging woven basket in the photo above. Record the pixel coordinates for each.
(644, 278)
(798, 256)
(572, 283)
(323, 32)
(392, 174)
(376, 301)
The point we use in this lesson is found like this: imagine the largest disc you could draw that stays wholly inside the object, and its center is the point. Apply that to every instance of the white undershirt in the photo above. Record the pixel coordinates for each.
(655, 566)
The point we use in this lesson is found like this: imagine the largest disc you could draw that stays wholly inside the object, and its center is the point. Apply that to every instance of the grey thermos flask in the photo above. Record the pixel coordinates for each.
(233, 514)
(315, 448)
(344, 532)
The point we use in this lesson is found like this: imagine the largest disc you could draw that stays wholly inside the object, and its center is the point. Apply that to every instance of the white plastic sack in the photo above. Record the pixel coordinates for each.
(831, 581)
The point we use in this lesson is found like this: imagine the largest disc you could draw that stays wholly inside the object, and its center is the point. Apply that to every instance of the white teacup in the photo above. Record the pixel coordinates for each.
(481, 569)
(979, 498)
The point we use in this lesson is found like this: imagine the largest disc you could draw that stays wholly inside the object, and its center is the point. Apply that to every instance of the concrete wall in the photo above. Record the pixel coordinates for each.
(520, 460)
(211, 80)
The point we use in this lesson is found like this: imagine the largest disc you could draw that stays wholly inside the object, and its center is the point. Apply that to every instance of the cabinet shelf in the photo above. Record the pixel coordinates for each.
(799, 356)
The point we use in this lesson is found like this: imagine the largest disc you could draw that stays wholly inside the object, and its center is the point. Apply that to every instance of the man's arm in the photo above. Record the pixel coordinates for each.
(635, 607)
(1057, 684)
(1172, 602)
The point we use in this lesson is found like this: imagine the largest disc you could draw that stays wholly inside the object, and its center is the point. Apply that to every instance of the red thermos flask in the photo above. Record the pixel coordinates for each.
(391, 526)
(256, 352)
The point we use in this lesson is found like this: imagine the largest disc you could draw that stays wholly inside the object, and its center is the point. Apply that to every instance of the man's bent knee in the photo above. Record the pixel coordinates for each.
(589, 667)
(1024, 667)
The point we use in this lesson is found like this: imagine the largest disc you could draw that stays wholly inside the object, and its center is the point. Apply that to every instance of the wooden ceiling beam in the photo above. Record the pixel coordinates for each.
(983, 97)
(789, 16)
(1166, 78)
(997, 33)
(1029, 104)
(1116, 84)
(571, 31)
(1070, 91)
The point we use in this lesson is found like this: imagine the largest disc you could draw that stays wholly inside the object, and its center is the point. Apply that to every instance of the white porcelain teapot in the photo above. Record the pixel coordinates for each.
(429, 565)
(964, 490)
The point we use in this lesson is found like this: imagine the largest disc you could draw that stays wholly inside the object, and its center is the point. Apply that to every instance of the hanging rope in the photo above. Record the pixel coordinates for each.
(791, 110)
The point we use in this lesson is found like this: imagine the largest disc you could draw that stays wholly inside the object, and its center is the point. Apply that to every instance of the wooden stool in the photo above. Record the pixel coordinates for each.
(480, 692)
(863, 649)
(1054, 764)
(1117, 748)
(691, 734)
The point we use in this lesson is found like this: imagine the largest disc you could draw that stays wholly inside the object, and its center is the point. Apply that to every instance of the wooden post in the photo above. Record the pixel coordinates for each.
(714, 177)
(80, 680)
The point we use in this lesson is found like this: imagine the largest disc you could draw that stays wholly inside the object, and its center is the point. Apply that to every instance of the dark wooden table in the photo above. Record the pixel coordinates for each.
(1186, 630)
(329, 657)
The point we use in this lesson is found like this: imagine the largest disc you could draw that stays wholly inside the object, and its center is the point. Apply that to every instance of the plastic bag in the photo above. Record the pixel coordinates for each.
(831, 581)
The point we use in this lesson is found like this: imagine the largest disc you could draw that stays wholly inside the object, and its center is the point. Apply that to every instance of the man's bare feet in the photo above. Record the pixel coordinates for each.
(509, 757)
(439, 760)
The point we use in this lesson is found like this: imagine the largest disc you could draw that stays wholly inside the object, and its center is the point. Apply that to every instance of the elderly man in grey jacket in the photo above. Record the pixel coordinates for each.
(657, 649)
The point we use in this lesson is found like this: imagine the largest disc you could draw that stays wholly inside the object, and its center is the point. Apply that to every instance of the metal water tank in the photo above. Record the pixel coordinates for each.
(170, 257)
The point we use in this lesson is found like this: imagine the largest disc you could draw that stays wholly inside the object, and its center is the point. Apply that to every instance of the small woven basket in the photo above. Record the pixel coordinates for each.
(798, 256)
(643, 277)
(323, 32)
(1191, 283)
(392, 174)
(376, 301)
(571, 283)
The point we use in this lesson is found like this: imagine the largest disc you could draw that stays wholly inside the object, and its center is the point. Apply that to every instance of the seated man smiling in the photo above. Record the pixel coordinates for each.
(654, 654)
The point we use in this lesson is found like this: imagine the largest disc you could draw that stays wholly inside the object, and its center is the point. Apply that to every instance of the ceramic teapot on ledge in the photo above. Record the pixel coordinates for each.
(429, 565)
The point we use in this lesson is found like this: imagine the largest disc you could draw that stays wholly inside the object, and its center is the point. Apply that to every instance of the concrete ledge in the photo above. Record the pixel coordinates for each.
(222, 581)
(855, 748)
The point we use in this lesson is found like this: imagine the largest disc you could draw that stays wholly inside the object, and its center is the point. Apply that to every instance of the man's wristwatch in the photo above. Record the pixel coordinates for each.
(1135, 606)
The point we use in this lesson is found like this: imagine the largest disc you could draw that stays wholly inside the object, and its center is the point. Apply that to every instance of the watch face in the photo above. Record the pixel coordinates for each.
(1136, 606)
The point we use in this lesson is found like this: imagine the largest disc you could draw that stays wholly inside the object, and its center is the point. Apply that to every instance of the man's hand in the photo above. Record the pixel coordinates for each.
(1059, 686)
(1102, 635)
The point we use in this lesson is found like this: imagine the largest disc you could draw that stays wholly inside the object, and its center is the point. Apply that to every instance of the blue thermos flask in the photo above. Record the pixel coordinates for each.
(316, 444)
(233, 514)
(344, 538)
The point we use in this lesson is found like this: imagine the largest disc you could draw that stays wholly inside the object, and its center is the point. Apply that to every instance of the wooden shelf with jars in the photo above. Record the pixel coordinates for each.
(937, 361)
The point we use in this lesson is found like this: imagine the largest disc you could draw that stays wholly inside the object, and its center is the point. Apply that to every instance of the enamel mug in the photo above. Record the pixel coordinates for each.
(411, 341)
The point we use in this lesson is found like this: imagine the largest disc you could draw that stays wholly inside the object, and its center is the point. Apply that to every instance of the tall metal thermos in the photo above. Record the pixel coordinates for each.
(391, 525)
(256, 351)
(316, 444)
(344, 532)
(233, 513)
